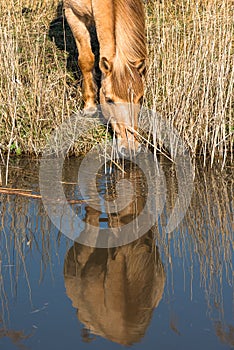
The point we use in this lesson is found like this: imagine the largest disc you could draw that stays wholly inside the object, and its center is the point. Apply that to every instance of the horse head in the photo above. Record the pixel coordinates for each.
(121, 96)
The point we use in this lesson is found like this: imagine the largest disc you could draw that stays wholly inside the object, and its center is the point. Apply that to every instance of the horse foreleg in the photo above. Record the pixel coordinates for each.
(86, 59)
(103, 12)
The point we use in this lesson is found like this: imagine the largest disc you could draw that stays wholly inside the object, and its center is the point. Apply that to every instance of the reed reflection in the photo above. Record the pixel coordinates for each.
(203, 243)
(115, 290)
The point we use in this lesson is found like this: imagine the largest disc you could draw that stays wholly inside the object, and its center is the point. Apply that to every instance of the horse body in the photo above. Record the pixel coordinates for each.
(120, 28)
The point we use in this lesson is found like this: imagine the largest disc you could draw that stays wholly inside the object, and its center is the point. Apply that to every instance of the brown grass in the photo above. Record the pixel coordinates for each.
(191, 71)
(190, 76)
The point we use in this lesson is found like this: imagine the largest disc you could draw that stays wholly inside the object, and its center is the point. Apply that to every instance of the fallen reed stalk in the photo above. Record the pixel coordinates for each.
(28, 193)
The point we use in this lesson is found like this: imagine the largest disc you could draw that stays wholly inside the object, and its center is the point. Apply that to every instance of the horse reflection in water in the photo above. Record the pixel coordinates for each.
(115, 290)
(120, 28)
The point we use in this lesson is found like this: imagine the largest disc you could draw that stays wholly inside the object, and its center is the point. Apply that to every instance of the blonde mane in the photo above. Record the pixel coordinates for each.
(130, 46)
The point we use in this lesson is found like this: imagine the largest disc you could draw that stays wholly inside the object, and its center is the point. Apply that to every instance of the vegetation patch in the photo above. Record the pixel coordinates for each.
(189, 81)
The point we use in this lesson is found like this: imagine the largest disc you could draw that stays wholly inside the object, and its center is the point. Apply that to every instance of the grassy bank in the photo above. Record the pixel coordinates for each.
(190, 77)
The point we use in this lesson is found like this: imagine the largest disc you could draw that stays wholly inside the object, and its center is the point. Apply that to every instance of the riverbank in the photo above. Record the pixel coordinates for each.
(190, 74)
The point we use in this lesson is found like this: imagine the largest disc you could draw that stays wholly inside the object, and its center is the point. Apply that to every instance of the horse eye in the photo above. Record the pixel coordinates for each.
(109, 100)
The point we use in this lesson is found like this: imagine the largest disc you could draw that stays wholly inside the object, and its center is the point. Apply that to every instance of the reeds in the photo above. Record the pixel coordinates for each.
(190, 76)
(35, 94)
(191, 71)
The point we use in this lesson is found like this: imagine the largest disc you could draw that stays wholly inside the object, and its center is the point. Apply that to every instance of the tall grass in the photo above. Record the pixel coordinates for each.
(36, 93)
(190, 76)
(191, 71)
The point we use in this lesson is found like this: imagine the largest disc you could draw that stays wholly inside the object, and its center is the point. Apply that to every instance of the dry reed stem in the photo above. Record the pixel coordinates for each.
(190, 75)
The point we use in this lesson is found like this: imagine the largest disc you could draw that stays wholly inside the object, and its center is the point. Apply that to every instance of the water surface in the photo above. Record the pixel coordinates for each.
(165, 291)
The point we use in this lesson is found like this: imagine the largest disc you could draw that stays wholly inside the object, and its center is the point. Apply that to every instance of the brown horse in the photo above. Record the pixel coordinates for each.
(120, 28)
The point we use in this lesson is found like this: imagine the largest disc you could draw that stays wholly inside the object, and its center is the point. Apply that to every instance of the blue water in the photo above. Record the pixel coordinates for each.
(196, 308)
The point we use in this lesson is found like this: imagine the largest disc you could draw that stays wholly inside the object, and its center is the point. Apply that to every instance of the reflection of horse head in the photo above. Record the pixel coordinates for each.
(115, 290)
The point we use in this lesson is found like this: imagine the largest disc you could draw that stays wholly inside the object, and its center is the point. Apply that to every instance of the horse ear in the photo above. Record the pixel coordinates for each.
(140, 66)
(105, 65)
